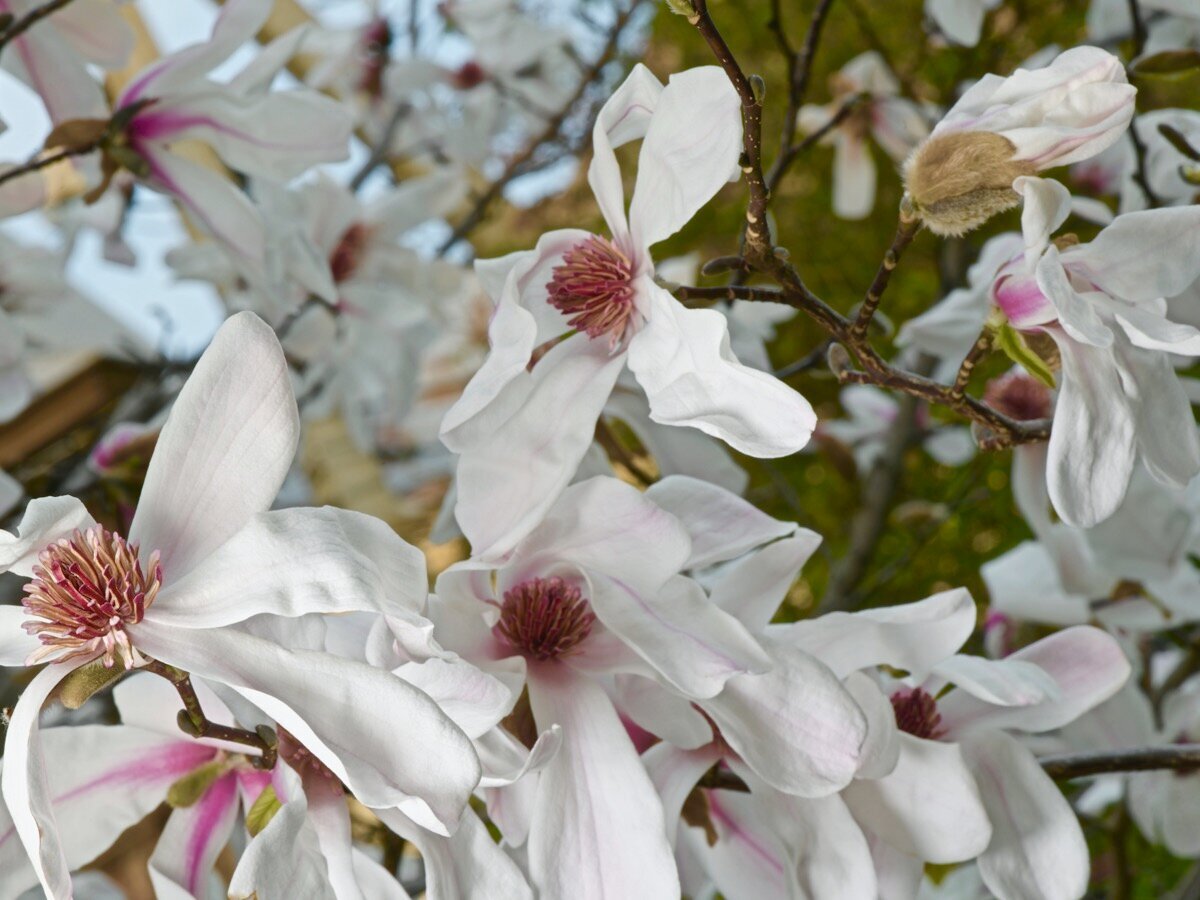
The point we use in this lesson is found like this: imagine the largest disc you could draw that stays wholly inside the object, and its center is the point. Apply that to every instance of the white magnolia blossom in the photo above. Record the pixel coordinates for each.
(960, 20)
(897, 124)
(604, 291)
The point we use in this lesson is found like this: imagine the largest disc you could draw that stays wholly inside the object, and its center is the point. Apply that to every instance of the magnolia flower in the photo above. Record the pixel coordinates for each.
(895, 123)
(603, 290)
(52, 58)
(592, 592)
(254, 130)
(1004, 128)
(960, 20)
(1170, 24)
(203, 556)
(1102, 303)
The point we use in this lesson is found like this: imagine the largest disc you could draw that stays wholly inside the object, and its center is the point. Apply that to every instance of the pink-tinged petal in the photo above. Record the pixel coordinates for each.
(473, 699)
(752, 588)
(102, 779)
(682, 360)
(1143, 256)
(330, 820)
(1037, 847)
(96, 30)
(294, 562)
(48, 64)
(15, 642)
(748, 861)
(281, 134)
(796, 726)
(661, 712)
(603, 525)
(721, 524)
(506, 483)
(928, 806)
(1092, 443)
(225, 450)
(625, 117)
(598, 829)
(854, 177)
(415, 758)
(183, 859)
(694, 645)
(523, 319)
(999, 682)
(689, 153)
(1077, 313)
(284, 861)
(1086, 666)
(675, 773)
(237, 23)
(468, 865)
(25, 785)
(213, 199)
(913, 636)
(46, 520)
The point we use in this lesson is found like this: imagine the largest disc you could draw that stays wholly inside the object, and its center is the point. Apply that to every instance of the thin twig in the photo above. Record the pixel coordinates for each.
(382, 148)
(1178, 757)
(19, 26)
(974, 355)
(1139, 27)
(194, 722)
(1141, 174)
(906, 230)
(43, 162)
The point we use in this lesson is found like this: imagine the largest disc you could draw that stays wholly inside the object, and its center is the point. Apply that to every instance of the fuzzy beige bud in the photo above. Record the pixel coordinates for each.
(958, 181)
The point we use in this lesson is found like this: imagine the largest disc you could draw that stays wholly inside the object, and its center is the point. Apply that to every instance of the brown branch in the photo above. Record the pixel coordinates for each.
(517, 165)
(906, 230)
(17, 27)
(1177, 757)
(44, 162)
(970, 361)
(193, 721)
(382, 148)
(1141, 175)
(1139, 27)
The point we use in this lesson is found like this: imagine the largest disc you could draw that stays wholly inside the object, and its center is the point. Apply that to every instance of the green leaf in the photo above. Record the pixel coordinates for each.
(192, 786)
(1012, 342)
(263, 811)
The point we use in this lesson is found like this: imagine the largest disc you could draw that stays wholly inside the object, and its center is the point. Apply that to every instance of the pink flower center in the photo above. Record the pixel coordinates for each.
(349, 252)
(545, 618)
(85, 592)
(916, 714)
(469, 75)
(1018, 396)
(594, 288)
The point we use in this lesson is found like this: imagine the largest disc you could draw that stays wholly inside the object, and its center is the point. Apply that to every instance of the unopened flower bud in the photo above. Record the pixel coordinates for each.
(957, 181)
(682, 8)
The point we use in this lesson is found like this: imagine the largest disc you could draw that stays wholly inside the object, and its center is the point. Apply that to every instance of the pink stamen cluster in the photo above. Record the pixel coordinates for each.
(85, 592)
(545, 618)
(594, 288)
(1018, 396)
(348, 253)
(917, 714)
(469, 75)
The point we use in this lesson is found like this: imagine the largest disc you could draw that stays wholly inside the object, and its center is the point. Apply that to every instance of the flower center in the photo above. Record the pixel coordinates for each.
(594, 288)
(1018, 396)
(85, 592)
(348, 253)
(545, 618)
(916, 714)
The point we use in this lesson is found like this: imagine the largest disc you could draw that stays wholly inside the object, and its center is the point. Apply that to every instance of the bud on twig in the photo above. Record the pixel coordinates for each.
(838, 360)
(682, 8)
(759, 87)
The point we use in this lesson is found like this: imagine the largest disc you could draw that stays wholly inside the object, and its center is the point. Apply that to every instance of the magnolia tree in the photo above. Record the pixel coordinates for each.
(592, 645)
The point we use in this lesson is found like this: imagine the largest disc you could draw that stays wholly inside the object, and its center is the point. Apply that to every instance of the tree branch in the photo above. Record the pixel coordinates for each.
(17, 27)
(1177, 757)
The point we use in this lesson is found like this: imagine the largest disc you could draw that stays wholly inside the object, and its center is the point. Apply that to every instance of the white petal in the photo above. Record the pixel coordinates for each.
(1037, 847)
(795, 726)
(959, 20)
(928, 806)
(691, 377)
(1145, 255)
(415, 758)
(598, 830)
(721, 524)
(1001, 682)
(225, 450)
(1092, 447)
(1077, 313)
(284, 861)
(46, 520)
(182, 863)
(675, 773)
(25, 784)
(912, 636)
(753, 587)
(473, 699)
(881, 750)
(696, 646)
(691, 147)
(294, 562)
(15, 642)
(854, 177)
(504, 489)
(661, 712)
(1087, 666)
(624, 117)
(748, 861)
(1047, 205)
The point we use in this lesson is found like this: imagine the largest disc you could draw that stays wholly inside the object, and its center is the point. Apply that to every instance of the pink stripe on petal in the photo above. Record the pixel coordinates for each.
(164, 765)
(730, 826)
(210, 810)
